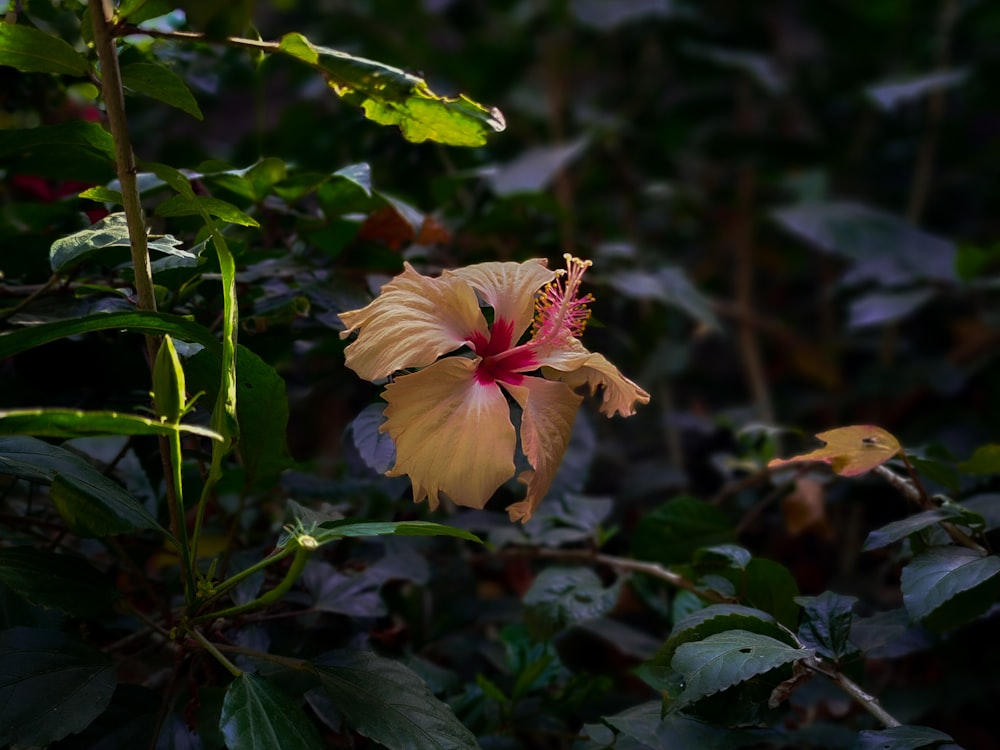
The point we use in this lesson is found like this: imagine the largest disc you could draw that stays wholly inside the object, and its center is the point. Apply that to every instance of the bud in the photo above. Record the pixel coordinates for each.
(168, 383)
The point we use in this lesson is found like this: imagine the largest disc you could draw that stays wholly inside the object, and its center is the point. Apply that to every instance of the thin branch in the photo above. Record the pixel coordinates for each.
(742, 239)
(210, 647)
(924, 169)
(917, 495)
(623, 564)
(845, 683)
(35, 294)
(195, 36)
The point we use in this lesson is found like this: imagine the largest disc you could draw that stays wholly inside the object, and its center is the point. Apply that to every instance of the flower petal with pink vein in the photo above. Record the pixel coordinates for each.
(509, 288)
(548, 412)
(414, 320)
(452, 434)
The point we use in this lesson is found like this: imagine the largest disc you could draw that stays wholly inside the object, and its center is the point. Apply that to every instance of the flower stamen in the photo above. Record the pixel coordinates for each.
(558, 309)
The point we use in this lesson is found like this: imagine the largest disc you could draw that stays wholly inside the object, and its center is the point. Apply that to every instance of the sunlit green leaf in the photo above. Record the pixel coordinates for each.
(180, 205)
(111, 231)
(68, 423)
(390, 96)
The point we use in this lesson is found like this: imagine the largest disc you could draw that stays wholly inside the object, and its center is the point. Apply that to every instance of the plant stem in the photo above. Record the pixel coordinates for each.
(210, 647)
(39, 291)
(112, 92)
(625, 564)
(845, 683)
(294, 570)
(177, 516)
(247, 572)
(914, 492)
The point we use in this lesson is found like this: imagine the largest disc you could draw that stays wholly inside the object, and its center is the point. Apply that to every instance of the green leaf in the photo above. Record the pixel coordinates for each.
(901, 529)
(389, 96)
(349, 527)
(671, 286)
(53, 685)
(261, 408)
(769, 586)
(255, 182)
(879, 244)
(111, 231)
(389, 703)
(673, 532)
(890, 95)
(70, 423)
(720, 661)
(75, 150)
(53, 581)
(731, 554)
(160, 82)
(33, 51)
(987, 507)
(984, 462)
(137, 11)
(256, 715)
(79, 490)
(560, 597)
(651, 731)
(826, 623)
(138, 321)
(946, 586)
(375, 448)
(936, 470)
(102, 195)
(715, 619)
(182, 205)
(901, 738)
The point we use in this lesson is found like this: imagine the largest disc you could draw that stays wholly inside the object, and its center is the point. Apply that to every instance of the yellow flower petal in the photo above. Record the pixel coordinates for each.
(414, 320)
(509, 288)
(548, 411)
(571, 363)
(452, 434)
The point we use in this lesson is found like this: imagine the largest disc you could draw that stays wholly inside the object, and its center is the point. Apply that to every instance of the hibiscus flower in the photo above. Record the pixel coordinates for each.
(449, 417)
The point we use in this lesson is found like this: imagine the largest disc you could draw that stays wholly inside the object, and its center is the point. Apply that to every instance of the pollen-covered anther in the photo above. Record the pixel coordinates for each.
(559, 310)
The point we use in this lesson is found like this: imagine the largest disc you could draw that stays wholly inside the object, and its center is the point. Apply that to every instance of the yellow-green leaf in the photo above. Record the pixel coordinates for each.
(390, 96)
(849, 450)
